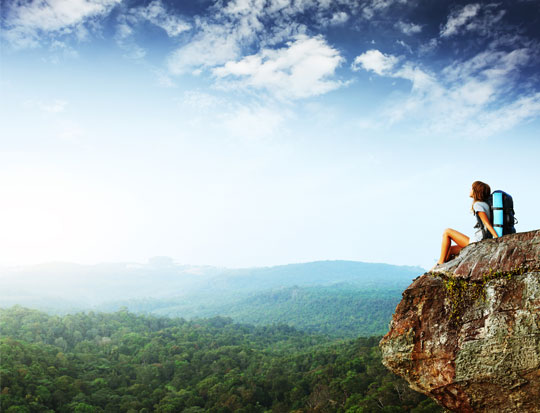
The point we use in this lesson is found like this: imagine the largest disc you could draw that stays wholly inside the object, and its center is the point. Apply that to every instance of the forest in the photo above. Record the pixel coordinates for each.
(123, 362)
(341, 310)
(345, 299)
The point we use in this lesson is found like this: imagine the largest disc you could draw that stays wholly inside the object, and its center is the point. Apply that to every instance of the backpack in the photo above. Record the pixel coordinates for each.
(502, 215)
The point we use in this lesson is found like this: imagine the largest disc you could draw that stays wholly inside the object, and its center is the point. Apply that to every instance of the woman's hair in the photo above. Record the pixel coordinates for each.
(481, 192)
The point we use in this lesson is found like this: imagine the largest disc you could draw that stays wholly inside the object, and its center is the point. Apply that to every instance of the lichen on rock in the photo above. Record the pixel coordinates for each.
(468, 335)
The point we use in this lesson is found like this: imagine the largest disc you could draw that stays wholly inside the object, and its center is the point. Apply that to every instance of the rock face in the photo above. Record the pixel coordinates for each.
(468, 334)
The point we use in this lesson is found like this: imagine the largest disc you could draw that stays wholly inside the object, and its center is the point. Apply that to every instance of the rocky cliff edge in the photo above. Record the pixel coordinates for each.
(468, 334)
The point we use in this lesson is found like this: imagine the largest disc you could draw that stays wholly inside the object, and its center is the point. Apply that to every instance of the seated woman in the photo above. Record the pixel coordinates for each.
(480, 193)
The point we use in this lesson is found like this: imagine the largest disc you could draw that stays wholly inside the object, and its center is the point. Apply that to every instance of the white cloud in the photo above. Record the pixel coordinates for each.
(477, 97)
(156, 14)
(60, 51)
(124, 39)
(408, 28)
(459, 18)
(404, 45)
(26, 20)
(301, 69)
(338, 18)
(491, 65)
(56, 14)
(246, 26)
(221, 37)
(506, 117)
(428, 47)
(214, 45)
(484, 24)
(374, 60)
(371, 7)
(20, 37)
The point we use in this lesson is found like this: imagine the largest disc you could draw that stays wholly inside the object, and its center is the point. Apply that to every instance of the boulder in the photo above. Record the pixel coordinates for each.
(468, 334)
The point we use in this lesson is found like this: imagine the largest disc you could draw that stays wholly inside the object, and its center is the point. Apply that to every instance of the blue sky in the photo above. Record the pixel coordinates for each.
(261, 132)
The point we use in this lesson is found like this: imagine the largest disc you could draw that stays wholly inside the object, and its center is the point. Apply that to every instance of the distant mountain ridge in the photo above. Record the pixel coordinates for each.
(315, 273)
(342, 310)
(340, 297)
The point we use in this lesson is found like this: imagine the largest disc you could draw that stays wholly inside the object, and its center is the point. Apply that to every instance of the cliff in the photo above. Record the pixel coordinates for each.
(468, 334)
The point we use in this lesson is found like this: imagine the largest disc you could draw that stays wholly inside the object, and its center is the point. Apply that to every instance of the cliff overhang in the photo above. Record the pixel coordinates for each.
(468, 334)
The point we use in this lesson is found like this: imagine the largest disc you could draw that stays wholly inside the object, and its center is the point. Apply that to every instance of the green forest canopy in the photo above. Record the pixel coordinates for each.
(121, 362)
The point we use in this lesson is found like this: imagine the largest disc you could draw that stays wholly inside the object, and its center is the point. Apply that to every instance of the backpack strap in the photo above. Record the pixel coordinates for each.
(479, 224)
(498, 209)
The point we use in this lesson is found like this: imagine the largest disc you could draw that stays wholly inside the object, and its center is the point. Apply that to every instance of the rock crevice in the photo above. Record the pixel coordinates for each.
(468, 334)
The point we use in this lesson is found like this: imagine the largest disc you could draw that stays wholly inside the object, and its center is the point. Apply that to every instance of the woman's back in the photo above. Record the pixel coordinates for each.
(480, 233)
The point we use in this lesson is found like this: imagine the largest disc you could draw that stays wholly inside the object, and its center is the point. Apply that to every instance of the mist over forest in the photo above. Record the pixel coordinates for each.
(163, 337)
(341, 298)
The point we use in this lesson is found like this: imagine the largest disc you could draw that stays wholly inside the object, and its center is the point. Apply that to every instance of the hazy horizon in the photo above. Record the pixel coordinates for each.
(187, 264)
(160, 287)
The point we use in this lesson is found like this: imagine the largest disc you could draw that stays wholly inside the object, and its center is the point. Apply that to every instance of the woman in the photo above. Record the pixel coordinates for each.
(480, 193)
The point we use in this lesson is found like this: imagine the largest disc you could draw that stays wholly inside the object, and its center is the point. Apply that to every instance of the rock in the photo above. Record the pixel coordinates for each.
(468, 335)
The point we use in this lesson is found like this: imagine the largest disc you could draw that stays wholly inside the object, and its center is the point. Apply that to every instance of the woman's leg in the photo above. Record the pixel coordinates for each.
(454, 250)
(447, 249)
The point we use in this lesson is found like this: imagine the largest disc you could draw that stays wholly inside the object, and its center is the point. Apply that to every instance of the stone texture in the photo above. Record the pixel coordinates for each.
(474, 353)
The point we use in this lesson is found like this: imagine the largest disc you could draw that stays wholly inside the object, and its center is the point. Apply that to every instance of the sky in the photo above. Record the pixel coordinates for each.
(261, 132)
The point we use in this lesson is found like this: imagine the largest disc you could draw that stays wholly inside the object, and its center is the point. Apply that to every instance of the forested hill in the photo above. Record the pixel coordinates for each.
(122, 362)
(366, 275)
(342, 310)
(68, 287)
(341, 298)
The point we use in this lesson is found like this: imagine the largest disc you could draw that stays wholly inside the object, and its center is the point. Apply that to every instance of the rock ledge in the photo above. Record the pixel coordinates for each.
(468, 335)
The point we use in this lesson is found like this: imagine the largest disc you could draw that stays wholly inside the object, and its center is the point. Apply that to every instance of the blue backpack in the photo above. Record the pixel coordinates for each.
(502, 213)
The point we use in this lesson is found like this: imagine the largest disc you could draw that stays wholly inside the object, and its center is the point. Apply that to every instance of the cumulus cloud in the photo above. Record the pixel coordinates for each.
(230, 31)
(474, 97)
(459, 18)
(301, 69)
(375, 61)
(214, 45)
(27, 20)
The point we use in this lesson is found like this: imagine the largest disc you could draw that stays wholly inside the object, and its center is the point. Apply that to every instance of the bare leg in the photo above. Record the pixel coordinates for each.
(454, 250)
(447, 248)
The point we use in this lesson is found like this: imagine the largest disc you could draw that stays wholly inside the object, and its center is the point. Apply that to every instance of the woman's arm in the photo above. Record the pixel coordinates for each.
(485, 220)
